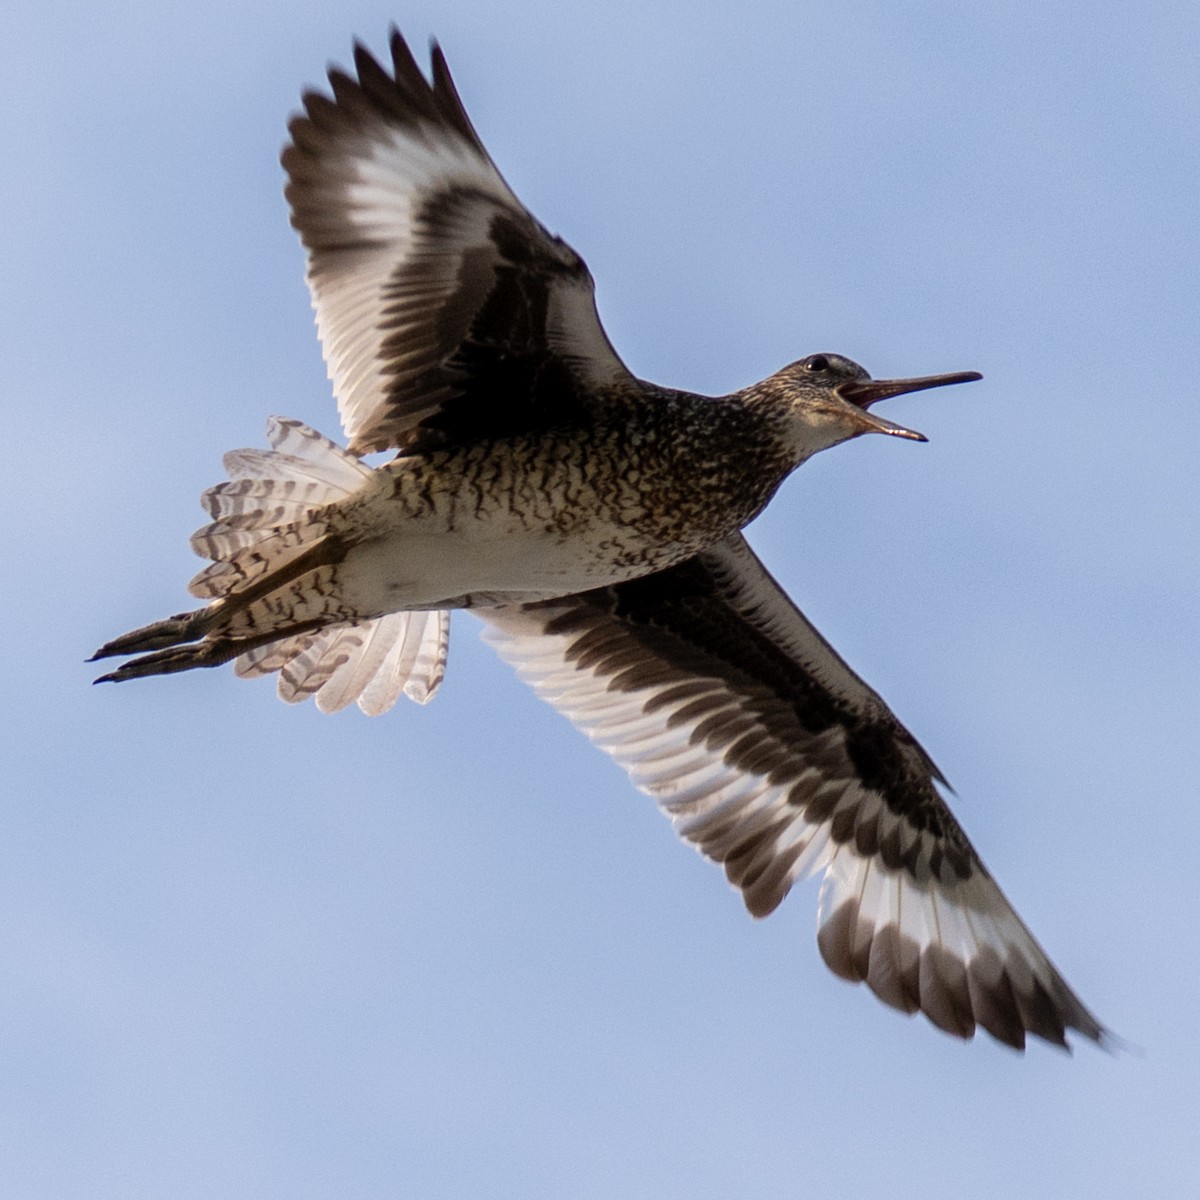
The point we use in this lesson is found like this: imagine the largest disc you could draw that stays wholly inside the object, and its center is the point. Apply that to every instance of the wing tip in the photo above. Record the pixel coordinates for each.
(954, 996)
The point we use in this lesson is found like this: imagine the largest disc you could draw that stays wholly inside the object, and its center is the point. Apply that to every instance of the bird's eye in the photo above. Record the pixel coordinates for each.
(815, 363)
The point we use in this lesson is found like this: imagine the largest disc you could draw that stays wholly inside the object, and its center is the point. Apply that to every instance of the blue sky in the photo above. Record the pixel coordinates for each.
(248, 950)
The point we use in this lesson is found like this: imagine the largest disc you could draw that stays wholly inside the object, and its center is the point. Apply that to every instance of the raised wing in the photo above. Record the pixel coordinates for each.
(773, 758)
(446, 312)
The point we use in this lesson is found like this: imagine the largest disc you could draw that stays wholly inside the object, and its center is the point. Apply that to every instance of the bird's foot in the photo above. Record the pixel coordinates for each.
(183, 627)
(209, 653)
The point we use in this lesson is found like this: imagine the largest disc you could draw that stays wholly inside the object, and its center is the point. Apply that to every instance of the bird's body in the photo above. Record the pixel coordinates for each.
(647, 479)
(655, 478)
(593, 521)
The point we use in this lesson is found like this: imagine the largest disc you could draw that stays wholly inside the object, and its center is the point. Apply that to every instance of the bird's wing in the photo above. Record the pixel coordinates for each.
(445, 310)
(773, 758)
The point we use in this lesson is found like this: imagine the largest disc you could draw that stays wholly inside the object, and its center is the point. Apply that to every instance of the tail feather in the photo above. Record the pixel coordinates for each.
(249, 555)
(336, 654)
(301, 455)
(414, 666)
(372, 662)
(264, 514)
(258, 503)
(266, 660)
(274, 582)
(341, 470)
(226, 539)
(335, 477)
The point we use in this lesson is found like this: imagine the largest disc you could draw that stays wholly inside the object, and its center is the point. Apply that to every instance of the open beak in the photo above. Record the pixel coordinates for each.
(862, 393)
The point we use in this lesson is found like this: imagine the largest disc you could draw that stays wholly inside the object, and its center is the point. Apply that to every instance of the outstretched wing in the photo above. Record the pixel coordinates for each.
(773, 758)
(446, 311)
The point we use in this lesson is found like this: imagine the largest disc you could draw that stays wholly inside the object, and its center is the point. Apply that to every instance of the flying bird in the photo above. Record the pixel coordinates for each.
(593, 522)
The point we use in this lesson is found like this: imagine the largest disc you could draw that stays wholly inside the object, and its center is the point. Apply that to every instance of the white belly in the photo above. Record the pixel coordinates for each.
(423, 569)
(420, 543)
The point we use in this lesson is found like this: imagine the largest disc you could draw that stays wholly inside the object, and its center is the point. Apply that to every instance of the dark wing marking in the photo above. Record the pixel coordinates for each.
(446, 311)
(773, 758)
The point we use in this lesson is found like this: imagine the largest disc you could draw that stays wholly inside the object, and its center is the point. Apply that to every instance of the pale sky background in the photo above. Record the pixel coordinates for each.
(247, 950)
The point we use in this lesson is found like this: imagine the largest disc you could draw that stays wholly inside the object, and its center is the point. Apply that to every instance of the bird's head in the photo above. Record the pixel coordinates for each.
(827, 399)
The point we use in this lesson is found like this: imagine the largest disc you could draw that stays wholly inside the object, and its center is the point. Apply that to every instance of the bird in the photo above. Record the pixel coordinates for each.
(593, 521)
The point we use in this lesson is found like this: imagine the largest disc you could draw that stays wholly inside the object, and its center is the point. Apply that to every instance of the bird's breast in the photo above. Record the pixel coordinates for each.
(552, 514)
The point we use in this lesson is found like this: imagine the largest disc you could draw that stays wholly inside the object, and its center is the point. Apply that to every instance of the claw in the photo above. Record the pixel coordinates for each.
(175, 658)
(211, 652)
(183, 627)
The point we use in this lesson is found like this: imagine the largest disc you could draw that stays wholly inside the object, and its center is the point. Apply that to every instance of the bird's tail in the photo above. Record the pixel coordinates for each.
(269, 586)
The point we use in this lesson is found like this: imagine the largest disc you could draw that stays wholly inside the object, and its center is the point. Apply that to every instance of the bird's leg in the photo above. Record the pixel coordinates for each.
(175, 658)
(183, 627)
(211, 652)
(191, 626)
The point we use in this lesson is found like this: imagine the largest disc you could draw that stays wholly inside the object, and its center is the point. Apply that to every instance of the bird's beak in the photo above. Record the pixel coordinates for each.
(862, 393)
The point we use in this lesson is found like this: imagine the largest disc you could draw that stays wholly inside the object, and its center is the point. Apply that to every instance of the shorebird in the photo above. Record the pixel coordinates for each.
(593, 521)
